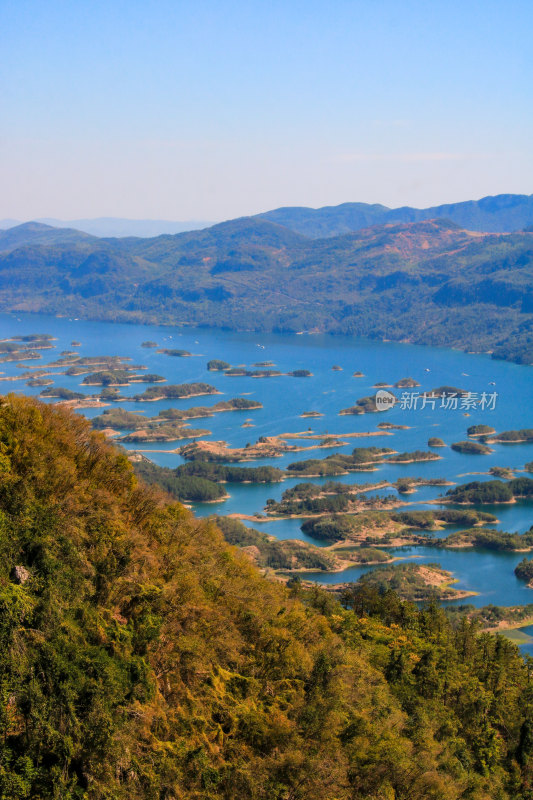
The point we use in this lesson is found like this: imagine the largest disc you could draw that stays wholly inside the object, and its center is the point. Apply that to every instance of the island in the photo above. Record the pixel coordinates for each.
(448, 391)
(149, 343)
(119, 377)
(471, 448)
(164, 432)
(362, 459)
(222, 473)
(62, 393)
(39, 382)
(434, 441)
(406, 383)
(175, 352)
(411, 458)
(412, 582)
(502, 472)
(216, 365)
(512, 437)
(489, 540)
(489, 492)
(300, 373)
(480, 430)
(311, 414)
(175, 392)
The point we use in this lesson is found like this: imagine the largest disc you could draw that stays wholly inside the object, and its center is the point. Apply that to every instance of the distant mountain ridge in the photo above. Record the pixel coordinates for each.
(35, 233)
(502, 213)
(117, 226)
(428, 282)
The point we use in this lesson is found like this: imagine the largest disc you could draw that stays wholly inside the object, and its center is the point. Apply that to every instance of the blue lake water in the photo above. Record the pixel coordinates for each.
(285, 398)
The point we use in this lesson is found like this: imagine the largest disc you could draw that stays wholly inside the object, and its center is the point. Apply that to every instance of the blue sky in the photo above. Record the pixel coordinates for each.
(209, 110)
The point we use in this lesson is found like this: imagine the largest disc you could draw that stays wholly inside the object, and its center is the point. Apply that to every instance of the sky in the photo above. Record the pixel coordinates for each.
(208, 109)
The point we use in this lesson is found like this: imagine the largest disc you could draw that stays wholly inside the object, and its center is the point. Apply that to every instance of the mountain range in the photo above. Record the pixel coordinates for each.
(499, 214)
(428, 282)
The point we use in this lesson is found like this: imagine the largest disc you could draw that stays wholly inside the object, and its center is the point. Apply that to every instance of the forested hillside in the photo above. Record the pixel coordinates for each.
(142, 657)
(426, 282)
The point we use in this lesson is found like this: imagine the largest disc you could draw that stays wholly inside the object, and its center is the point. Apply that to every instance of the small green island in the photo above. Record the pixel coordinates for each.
(489, 540)
(512, 437)
(62, 393)
(489, 492)
(448, 391)
(360, 459)
(119, 377)
(480, 430)
(406, 383)
(242, 372)
(39, 382)
(216, 365)
(435, 441)
(471, 448)
(415, 456)
(175, 392)
(174, 352)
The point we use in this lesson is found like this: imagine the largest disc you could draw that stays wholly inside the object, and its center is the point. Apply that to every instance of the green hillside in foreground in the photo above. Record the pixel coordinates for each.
(427, 282)
(142, 658)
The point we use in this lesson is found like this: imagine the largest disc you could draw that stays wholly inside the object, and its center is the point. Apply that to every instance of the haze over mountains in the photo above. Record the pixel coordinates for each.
(116, 226)
(499, 214)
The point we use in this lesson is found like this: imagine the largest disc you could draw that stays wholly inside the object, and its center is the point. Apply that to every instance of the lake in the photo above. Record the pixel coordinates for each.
(328, 391)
